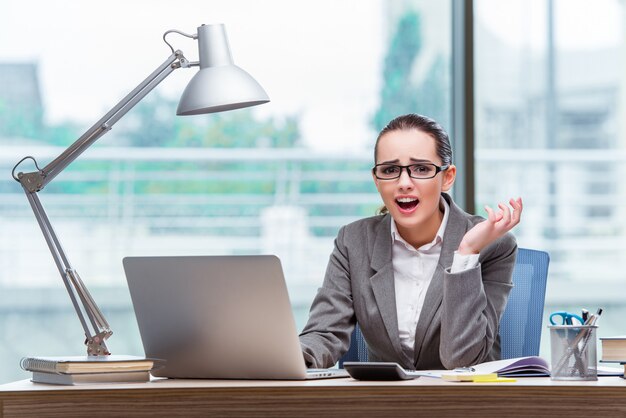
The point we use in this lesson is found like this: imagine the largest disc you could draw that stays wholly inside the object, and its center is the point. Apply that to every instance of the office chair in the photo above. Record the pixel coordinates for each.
(520, 326)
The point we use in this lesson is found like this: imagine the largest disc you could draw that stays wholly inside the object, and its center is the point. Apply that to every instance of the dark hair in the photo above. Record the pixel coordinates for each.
(423, 124)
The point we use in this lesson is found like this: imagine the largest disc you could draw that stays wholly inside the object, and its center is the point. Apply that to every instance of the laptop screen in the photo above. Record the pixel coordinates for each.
(215, 316)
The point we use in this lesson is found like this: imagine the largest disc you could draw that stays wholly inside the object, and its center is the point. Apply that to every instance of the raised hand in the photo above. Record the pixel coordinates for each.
(497, 224)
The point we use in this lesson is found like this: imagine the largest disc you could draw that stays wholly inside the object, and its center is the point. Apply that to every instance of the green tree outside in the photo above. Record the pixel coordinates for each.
(400, 94)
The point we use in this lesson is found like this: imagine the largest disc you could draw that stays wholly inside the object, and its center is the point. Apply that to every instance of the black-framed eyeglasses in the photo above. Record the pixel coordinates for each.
(416, 171)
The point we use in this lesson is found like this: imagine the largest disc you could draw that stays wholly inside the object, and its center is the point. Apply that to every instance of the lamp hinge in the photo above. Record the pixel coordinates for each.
(33, 182)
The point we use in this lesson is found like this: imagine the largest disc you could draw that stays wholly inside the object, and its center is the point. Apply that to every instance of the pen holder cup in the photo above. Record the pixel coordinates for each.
(573, 352)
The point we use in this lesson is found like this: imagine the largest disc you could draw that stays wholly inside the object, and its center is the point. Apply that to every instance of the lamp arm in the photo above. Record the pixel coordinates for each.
(37, 180)
(94, 324)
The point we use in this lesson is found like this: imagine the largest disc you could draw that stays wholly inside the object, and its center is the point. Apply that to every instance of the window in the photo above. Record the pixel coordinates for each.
(279, 178)
(549, 95)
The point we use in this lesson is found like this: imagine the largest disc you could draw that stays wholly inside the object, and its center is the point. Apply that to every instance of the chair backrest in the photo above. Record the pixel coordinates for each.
(520, 326)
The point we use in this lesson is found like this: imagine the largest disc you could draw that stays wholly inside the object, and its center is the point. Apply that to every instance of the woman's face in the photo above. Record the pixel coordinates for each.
(413, 203)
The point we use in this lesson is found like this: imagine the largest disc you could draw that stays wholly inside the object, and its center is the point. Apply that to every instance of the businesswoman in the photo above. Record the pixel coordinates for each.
(426, 282)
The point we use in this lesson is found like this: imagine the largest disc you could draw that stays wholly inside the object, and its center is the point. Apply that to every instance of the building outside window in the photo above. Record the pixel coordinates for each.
(550, 89)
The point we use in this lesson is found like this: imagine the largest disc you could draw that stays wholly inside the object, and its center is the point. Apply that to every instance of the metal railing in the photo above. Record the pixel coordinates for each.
(575, 212)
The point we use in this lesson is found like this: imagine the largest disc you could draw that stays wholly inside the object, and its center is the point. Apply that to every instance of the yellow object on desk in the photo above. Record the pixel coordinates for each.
(475, 377)
(496, 380)
(467, 377)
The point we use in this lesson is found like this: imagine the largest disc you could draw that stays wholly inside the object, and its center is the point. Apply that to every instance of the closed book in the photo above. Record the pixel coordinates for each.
(614, 349)
(84, 378)
(86, 364)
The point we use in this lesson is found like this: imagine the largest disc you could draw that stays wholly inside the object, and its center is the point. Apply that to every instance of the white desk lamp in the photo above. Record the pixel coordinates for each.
(218, 86)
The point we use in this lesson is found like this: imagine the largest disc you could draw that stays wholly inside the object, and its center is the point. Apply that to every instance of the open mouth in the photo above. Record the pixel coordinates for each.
(407, 203)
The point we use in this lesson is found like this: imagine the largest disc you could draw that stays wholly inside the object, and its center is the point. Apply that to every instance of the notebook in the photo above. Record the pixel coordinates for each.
(217, 317)
(86, 378)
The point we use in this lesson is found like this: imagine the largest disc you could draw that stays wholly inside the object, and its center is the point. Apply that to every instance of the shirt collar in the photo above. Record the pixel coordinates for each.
(395, 235)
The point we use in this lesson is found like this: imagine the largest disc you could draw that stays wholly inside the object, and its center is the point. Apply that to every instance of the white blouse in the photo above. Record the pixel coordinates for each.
(413, 270)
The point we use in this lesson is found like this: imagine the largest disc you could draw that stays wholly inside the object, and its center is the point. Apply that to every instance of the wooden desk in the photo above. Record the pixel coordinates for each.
(322, 398)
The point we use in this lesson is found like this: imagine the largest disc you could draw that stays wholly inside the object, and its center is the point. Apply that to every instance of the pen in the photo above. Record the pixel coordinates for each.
(598, 315)
(585, 315)
(464, 369)
(496, 380)
(592, 321)
(593, 318)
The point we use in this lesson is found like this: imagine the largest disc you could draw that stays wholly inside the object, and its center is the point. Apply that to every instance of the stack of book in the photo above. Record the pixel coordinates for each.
(614, 350)
(88, 369)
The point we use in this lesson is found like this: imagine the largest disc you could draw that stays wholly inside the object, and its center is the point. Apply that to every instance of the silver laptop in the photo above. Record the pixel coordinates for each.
(217, 317)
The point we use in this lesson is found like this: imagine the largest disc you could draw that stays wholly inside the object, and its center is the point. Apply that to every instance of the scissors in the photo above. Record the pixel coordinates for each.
(566, 318)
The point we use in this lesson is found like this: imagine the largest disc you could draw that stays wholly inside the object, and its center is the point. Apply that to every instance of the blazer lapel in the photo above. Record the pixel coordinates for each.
(453, 234)
(383, 282)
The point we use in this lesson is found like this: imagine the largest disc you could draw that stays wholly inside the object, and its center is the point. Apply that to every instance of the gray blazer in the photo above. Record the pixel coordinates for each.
(458, 325)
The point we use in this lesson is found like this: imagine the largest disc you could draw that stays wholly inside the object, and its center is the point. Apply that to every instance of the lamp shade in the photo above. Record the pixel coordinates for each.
(219, 85)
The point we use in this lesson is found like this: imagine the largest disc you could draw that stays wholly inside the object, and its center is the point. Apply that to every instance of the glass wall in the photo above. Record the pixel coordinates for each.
(550, 82)
(279, 178)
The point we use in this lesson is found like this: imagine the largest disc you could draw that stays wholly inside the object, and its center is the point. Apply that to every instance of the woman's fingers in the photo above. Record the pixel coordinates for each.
(506, 213)
(490, 215)
(517, 210)
(510, 218)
